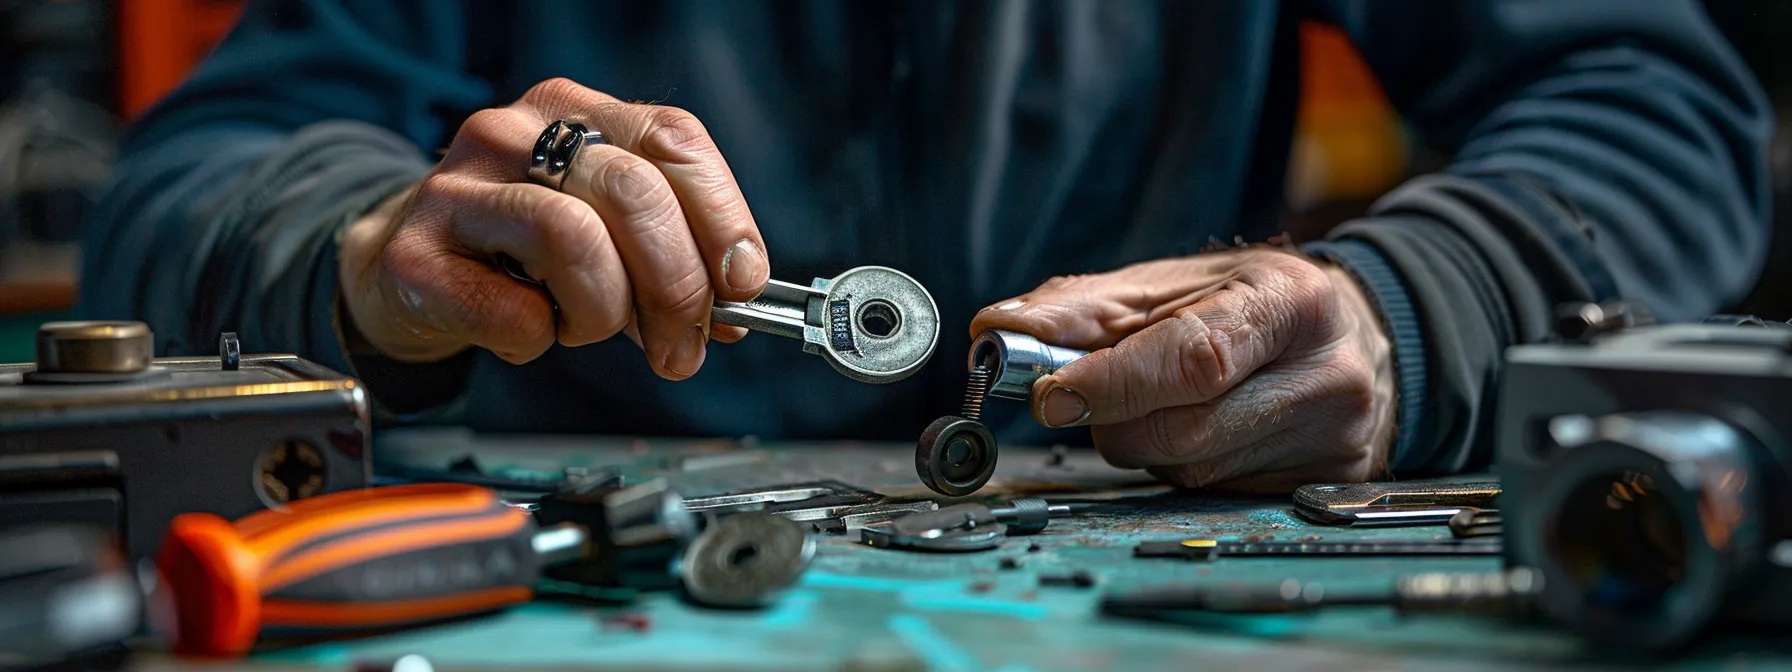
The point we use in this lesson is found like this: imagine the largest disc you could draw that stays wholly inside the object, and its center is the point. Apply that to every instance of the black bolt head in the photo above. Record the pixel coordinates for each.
(955, 456)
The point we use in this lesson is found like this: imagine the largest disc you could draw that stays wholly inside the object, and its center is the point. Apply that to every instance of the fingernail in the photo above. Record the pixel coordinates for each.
(688, 356)
(1064, 407)
(1011, 305)
(744, 267)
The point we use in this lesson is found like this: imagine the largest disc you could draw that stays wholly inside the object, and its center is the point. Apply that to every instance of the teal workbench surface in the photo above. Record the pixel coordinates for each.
(860, 608)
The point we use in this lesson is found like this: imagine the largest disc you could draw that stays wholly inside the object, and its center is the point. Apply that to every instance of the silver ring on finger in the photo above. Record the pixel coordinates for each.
(556, 148)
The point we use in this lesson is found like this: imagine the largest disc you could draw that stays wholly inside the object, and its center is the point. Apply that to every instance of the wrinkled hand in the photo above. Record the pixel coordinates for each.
(644, 234)
(1252, 369)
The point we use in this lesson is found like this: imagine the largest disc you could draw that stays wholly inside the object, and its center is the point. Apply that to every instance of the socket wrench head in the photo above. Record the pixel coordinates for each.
(1015, 360)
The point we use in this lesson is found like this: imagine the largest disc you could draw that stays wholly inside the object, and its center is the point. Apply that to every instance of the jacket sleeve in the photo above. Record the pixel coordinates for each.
(1601, 149)
(225, 205)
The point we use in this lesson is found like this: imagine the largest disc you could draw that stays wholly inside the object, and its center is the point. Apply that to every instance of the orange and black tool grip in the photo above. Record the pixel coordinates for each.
(359, 560)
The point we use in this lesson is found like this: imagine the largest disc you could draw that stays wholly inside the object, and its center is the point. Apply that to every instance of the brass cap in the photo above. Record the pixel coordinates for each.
(94, 347)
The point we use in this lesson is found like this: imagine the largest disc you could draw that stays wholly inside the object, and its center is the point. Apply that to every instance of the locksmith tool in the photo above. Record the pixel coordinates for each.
(1209, 549)
(1511, 592)
(854, 518)
(1391, 504)
(872, 324)
(634, 532)
(956, 454)
(827, 506)
(401, 555)
(1014, 360)
(780, 498)
(745, 561)
(98, 432)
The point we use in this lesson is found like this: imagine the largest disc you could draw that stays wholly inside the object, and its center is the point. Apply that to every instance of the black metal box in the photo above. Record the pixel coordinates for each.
(226, 435)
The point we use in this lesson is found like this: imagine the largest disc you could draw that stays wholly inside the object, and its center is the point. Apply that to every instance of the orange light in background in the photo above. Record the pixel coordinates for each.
(159, 42)
(1348, 141)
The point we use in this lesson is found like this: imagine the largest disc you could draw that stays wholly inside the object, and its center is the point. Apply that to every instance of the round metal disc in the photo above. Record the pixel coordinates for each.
(944, 520)
(94, 347)
(980, 538)
(955, 456)
(745, 560)
(894, 325)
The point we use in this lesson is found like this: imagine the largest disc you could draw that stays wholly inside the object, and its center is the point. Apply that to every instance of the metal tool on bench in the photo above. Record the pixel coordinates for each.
(1471, 522)
(872, 324)
(96, 427)
(781, 498)
(1509, 592)
(634, 532)
(827, 506)
(956, 455)
(1391, 504)
(963, 527)
(1208, 549)
(1026, 515)
(401, 555)
(409, 554)
(973, 537)
(745, 561)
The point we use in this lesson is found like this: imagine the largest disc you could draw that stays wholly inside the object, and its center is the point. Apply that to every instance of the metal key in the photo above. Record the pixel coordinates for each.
(873, 324)
(1391, 504)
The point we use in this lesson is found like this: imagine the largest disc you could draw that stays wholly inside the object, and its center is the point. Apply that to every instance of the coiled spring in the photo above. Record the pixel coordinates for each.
(975, 390)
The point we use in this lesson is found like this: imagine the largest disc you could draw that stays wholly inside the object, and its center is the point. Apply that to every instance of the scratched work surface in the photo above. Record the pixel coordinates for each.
(860, 608)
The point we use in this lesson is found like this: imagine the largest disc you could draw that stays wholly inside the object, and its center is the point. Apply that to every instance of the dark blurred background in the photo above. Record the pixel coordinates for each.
(73, 72)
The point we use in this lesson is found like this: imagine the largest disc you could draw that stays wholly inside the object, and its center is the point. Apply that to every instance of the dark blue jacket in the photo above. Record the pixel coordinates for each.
(1602, 148)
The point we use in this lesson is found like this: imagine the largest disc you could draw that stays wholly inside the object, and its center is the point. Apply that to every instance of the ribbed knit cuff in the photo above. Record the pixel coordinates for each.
(1388, 294)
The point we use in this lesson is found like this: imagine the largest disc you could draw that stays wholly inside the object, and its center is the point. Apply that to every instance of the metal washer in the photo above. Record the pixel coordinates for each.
(745, 560)
(916, 325)
(980, 538)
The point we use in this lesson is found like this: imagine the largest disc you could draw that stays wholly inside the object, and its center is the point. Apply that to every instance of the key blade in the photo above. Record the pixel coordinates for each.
(872, 324)
(1341, 503)
(781, 310)
(1401, 516)
(756, 498)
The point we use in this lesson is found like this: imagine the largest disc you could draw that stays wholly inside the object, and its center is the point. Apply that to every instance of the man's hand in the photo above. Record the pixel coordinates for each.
(1252, 369)
(645, 234)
